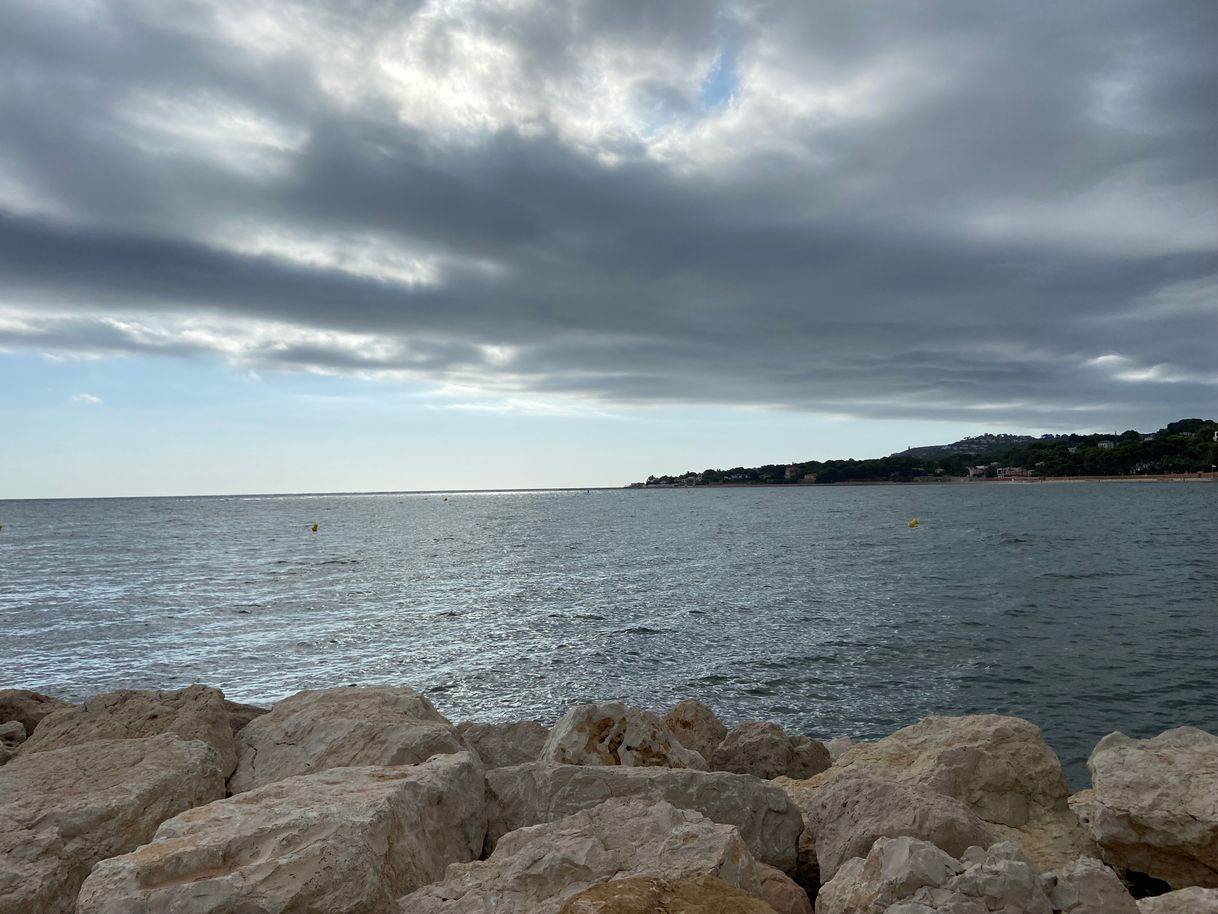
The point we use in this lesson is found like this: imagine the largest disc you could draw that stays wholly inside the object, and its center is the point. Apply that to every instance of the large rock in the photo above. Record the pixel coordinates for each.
(1153, 808)
(197, 712)
(502, 745)
(999, 767)
(532, 794)
(535, 870)
(612, 733)
(696, 727)
(652, 895)
(765, 751)
(27, 707)
(63, 810)
(12, 735)
(1195, 900)
(343, 841)
(335, 728)
(781, 893)
(1086, 886)
(908, 876)
(848, 815)
(240, 715)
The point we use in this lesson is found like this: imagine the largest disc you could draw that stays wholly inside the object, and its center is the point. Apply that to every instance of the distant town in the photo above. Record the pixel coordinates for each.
(1186, 447)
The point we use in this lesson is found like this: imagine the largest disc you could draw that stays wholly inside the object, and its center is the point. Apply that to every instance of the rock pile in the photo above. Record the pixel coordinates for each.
(370, 801)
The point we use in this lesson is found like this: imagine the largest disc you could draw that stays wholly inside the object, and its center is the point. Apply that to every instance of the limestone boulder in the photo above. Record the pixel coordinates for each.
(650, 895)
(1087, 886)
(194, 713)
(839, 746)
(696, 727)
(613, 733)
(909, 876)
(781, 893)
(537, 870)
(26, 707)
(525, 795)
(1153, 807)
(850, 813)
(763, 750)
(12, 735)
(1194, 900)
(999, 767)
(64, 810)
(341, 841)
(502, 745)
(240, 715)
(336, 728)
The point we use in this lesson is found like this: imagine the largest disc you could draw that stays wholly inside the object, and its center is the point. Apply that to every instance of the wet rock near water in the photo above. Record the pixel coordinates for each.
(369, 801)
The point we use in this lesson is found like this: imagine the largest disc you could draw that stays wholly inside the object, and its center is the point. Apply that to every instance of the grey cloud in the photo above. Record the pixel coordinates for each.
(842, 273)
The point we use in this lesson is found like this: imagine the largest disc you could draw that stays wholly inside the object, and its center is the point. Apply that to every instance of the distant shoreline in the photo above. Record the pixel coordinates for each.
(942, 481)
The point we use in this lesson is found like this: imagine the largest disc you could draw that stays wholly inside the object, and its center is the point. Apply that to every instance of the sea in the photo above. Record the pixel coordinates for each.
(1085, 608)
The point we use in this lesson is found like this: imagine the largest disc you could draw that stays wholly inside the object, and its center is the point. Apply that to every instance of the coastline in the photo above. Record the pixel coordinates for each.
(940, 481)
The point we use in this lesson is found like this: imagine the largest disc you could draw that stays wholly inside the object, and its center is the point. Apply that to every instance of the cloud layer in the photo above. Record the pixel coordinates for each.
(945, 210)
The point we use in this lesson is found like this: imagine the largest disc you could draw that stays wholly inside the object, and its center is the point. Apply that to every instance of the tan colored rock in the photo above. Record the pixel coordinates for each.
(196, 712)
(848, 815)
(527, 795)
(1153, 808)
(536, 870)
(612, 733)
(908, 876)
(999, 767)
(64, 810)
(649, 895)
(696, 727)
(781, 893)
(240, 715)
(763, 750)
(839, 746)
(12, 735)
(503, 745)
(1194, 900)
(335, 728)
(27, 707)
(1086, 886)
(893, 870)
(342, 841)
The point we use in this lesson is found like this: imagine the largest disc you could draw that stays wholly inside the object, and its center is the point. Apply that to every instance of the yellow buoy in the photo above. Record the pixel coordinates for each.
(314, 528)
(913, 523)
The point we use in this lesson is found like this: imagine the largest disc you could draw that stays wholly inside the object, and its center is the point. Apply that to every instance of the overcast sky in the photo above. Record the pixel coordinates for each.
(265, 246)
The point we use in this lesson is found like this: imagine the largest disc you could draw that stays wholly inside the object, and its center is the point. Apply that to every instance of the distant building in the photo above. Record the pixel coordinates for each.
(977, 472)
(1106, 445)
(809, 477)
(1186, 434)
(1072, 450)
(794, 471)
(1013, 472)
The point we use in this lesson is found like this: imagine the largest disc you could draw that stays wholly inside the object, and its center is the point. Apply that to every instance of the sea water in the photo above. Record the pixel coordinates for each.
(1085, 608)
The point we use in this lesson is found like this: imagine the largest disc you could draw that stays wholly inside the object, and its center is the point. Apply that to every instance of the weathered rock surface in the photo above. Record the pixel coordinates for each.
(839, 746)
(503, 745)
(765, 751)
(649, 895)
(342, 841)
(908, 876)
(63, 810)
(1153, 808)
(333, 728)
(536, 870)
(527, 795)
(240, 715)
(1086, 886)
(848, 815)
(612, 733)
(12, 735)
(197, 712)
(27, 707)
(781, 893)
(696, 727)
(999, 767)
(1195, 900)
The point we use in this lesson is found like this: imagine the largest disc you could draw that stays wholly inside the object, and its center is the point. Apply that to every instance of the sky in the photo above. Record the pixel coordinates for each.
(265, 246)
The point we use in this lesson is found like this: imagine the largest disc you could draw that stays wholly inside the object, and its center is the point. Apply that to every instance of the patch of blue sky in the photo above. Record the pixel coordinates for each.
(721, 81)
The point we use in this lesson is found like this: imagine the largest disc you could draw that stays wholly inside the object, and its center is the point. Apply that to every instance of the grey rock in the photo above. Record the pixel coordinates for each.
(763, 750)
(506, 744)
(612, 733)
(1086, 886)
(696, 727)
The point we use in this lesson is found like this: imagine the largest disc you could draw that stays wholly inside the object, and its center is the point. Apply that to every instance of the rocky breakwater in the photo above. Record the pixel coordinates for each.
(370, 801)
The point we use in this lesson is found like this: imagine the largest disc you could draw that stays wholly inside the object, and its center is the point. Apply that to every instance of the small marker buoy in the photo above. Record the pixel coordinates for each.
(913, 523)
(314, 528)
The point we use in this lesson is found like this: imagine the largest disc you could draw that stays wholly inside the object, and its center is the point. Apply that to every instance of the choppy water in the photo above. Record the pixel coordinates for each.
(1086, 608)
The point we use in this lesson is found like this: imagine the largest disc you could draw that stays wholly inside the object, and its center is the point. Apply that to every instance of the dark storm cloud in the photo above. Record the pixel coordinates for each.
(938, 211)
